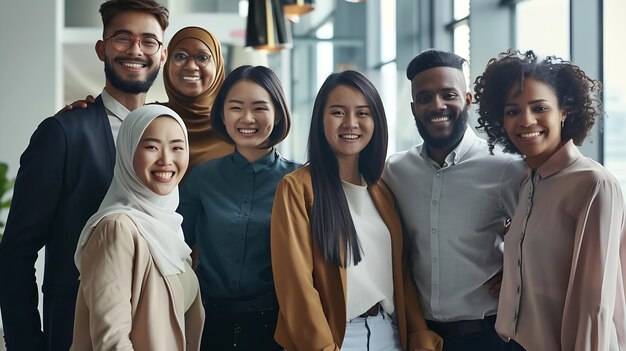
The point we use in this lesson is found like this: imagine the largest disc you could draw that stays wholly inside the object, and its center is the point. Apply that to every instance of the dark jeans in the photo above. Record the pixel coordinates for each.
(479, 335)
(235, 330)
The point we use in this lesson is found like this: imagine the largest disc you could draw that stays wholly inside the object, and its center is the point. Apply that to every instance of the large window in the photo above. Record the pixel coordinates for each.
(543, 26)
(615, 89)
(461, 31)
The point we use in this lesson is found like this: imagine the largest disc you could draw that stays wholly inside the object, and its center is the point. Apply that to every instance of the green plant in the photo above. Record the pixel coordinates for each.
(6, 185)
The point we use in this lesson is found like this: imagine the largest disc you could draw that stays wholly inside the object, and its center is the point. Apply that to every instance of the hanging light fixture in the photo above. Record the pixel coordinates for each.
(297, 7)
(266, 27)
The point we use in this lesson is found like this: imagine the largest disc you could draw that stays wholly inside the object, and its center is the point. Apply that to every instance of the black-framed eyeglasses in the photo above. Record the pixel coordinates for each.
(180, 59)
(124, 41)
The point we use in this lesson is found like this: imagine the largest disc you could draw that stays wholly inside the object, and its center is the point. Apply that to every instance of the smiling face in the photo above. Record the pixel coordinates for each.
(249, 116)
(532, 120)
(161, 157)
(440, 106)
(186, 72)
(348, 123)
(131, 71)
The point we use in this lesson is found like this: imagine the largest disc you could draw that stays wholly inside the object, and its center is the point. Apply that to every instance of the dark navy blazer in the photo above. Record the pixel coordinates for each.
(64, 174)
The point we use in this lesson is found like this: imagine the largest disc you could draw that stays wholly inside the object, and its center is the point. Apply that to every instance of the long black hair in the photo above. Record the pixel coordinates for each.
(331, 222)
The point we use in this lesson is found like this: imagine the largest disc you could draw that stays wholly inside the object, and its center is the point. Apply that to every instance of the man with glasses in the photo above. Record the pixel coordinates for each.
(64, 174)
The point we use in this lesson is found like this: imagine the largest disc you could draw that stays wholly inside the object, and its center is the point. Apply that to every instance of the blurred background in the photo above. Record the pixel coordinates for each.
(48, 57)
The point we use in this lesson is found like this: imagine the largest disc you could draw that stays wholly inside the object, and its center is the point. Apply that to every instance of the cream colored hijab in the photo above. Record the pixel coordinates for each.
(154, 215)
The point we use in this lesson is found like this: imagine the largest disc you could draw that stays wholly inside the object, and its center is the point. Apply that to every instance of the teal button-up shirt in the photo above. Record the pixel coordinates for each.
(226, 204)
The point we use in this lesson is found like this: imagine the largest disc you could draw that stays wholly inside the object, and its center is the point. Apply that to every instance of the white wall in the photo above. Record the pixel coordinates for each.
(30, 71)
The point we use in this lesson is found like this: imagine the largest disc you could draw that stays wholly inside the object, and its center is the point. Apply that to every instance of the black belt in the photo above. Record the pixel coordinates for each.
(265, 302)
(372, 312)
(461, 328)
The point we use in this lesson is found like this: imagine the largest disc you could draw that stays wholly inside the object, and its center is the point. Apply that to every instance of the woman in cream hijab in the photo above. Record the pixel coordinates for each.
(137, 289)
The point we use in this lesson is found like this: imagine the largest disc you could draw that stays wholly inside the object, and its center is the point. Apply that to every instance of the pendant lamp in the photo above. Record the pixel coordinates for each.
(266, 28)
(297, 7)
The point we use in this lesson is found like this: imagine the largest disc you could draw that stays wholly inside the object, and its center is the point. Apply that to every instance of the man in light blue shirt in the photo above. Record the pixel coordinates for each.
(454, 199)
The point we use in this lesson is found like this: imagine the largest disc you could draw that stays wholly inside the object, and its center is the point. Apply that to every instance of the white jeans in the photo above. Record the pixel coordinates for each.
(377, 333)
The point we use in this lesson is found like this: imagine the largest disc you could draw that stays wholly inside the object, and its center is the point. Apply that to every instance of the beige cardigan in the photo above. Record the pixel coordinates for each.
(124, 303)
(312, 292)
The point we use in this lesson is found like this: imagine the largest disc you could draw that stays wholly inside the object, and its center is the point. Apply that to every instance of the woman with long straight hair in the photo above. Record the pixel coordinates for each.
(337, 251)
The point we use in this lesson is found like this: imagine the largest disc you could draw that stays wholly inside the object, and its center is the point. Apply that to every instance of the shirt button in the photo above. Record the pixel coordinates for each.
(434, 260)
(435, 285)
(519, 263)
(434, 202)
(438, 174)
(518, 289)
(433, 230)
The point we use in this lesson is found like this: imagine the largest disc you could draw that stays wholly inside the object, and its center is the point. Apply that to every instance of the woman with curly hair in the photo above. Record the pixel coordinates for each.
(564, 254)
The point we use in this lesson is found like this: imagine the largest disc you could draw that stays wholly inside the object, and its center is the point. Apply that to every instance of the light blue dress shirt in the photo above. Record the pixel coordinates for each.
(454, 216)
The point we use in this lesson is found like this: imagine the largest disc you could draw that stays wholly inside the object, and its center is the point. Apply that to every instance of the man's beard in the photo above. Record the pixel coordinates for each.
(460, 125)
(130, 87)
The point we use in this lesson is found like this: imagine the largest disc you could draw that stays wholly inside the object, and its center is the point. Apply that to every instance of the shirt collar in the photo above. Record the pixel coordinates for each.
(469, 137)
(114, 107)
(257, 165)
(562, 158)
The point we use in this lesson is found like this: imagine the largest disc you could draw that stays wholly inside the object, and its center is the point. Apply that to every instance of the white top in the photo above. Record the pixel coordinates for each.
(454, 217)
(371, 280)
(115, 111)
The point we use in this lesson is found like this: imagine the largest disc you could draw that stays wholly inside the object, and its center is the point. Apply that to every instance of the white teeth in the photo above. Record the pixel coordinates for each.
(247, 131)
(163, 175)
(349, 136)
(530, 135)
(191, 78)
(439, 119)
(132, 65)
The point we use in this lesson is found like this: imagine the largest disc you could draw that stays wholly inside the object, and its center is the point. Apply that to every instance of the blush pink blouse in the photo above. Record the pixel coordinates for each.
(565, 259)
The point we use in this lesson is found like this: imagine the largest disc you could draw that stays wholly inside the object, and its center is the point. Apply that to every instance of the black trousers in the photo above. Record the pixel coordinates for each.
(253, 331)
(479, 335)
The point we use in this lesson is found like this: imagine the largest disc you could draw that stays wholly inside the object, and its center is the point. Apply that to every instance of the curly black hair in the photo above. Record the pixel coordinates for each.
(575, 91)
